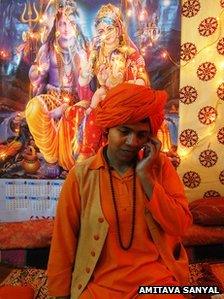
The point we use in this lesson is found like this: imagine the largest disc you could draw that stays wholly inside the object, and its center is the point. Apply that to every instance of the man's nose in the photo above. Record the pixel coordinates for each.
(132, 140)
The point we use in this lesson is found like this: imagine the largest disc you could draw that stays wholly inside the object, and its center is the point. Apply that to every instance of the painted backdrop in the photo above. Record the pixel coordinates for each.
(57, 61)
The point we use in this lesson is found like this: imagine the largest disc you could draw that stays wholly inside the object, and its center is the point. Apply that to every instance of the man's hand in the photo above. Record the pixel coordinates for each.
(144, 166)
(151, 154)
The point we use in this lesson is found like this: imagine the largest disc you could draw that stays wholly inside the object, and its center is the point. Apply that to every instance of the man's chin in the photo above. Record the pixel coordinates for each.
(127, 155)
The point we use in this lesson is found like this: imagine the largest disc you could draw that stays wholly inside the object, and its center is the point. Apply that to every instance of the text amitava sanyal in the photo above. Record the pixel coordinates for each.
(178, 290)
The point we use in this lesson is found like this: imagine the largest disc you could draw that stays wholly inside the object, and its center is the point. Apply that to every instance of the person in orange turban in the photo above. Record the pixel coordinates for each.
(119, 218)
(130, 103)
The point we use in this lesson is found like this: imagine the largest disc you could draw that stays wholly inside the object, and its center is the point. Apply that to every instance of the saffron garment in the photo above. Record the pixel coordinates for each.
(55, 137)
(118, 273)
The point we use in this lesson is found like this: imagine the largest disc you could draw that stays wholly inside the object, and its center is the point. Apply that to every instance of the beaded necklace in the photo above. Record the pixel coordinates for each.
(132, 229)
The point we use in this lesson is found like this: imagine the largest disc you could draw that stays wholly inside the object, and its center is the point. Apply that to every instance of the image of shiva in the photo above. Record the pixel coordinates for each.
(54, 78)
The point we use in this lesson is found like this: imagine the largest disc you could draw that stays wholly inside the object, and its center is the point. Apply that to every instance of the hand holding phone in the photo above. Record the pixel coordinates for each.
(148, 154)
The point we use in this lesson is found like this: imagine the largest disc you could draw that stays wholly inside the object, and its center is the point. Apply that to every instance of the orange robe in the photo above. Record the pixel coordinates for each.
(118, 273)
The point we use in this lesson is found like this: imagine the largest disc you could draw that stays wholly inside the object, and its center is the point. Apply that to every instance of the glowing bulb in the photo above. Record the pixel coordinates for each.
(164, 54)
(66, 99)
(39, 69)
(129, 13)
(183, 153)
(221, 65)
(2, 156)
(210, 133)
(143, 50)
(166, 2)
(141, 17)
(125, 48)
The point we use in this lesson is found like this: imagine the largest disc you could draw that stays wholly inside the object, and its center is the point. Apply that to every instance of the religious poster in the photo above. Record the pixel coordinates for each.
(58, 59)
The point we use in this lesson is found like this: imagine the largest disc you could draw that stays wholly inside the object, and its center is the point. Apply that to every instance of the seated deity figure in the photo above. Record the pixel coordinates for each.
(115, 74)
(56, 90)
(113, 59)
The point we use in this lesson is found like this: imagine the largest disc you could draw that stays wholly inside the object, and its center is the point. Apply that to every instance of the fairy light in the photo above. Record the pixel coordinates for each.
(142, 16)
(129, 13)
(164, 54)
(221, 65)
(183, 152)
(31, 35)
(39, 69)
(210, 133)
(2, 156)
(205, 50)
(143, 51)
(166, 2)
(66, 99)
(212, 116)
(16, 130)
(125, 48)
(4, 55)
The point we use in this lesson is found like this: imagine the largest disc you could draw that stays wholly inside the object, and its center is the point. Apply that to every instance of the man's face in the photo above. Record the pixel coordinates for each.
(125, 141)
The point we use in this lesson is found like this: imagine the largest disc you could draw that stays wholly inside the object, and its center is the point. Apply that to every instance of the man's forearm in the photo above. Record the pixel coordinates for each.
(147, 184)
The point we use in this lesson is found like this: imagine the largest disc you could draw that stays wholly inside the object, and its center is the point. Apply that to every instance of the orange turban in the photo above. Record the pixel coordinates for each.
(130, 103)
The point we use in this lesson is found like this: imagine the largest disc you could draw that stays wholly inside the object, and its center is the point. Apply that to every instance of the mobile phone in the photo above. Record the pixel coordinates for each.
(143, 152)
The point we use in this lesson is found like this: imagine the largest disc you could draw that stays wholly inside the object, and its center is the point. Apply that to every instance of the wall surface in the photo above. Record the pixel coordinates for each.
(201, 128)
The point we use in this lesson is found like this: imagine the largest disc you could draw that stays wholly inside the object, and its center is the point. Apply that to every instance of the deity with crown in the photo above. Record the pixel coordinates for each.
(113, 59)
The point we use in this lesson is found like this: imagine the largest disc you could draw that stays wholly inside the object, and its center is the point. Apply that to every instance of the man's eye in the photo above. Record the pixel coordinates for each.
(124, 131)
(142, 135)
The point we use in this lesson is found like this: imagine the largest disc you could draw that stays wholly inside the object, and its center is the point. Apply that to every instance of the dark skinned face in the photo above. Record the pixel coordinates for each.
(125, 141)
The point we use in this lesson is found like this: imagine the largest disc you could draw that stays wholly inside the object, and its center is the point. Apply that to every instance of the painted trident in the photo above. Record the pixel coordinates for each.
(32, 14)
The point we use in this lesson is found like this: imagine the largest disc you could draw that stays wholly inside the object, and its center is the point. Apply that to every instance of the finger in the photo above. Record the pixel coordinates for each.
(156, 142)
(149, 150)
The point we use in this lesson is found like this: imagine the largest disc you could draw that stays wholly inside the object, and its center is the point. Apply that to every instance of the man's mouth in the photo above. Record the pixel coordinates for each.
(128, 151)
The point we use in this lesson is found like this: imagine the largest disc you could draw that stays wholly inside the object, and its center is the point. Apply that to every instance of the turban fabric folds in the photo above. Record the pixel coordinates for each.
(130, 103)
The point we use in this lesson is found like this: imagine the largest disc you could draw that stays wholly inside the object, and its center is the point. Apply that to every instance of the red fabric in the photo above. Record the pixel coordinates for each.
(208, 211)
(26, 234)
(129, 103)
(203, 235)
(19, 292)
